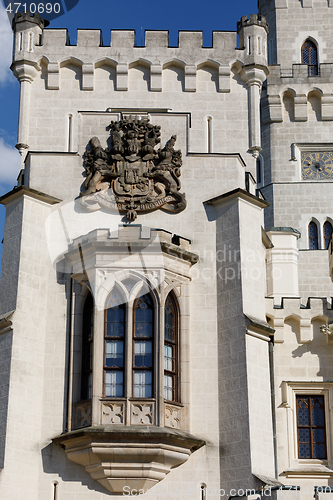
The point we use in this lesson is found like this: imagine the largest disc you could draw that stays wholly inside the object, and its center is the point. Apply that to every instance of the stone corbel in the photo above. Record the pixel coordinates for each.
(224, 79)
(306, 332)
(156, 78)
(122, 76)
(327, 107)
(87, 77)
(53, 76)
(279, 330)
(190, 78)
(272, 109)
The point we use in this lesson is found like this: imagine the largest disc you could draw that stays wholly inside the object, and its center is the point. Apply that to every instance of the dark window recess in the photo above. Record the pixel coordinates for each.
(327, 234)
(87, 348)
(311, 427)
(309, 57)
(313, 236)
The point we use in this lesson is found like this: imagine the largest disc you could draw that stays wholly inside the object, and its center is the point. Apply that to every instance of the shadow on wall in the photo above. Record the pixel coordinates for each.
(55, 462)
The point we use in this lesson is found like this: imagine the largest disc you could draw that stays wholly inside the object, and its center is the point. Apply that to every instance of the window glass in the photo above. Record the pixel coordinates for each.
(311, 427)
(313, 236)
(327, 233)
(309, 57)
(170, 350)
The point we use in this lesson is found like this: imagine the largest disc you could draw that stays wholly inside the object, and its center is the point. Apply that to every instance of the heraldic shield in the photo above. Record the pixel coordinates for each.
(134, 175)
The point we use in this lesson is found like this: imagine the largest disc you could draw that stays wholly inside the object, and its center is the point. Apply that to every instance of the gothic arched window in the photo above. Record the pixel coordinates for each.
(310, 57)
(313, 236)
(87, 348)
(114, 347)
(170, 350)
(143, 347)
(327, 233)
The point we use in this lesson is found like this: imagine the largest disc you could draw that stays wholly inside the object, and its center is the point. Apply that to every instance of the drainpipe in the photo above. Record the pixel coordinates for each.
(271, 376)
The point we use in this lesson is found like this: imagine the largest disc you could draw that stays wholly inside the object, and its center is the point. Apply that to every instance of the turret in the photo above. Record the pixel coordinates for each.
(253, 40)
(28, 32)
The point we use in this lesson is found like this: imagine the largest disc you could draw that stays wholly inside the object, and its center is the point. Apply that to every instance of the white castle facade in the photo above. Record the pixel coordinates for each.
(165, 293)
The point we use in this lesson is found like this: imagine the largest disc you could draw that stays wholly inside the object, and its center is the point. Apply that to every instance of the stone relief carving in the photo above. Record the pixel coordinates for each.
(172, 417)
(142, 414)
(113, 413)
(133, 176)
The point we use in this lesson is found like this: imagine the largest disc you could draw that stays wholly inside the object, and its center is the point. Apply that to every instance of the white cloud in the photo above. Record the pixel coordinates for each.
(10, 164)
(6, 44)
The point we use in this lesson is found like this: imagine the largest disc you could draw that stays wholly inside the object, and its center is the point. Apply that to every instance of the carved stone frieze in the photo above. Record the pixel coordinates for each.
(133, 176)
(172, 416)
(142, 414)
(113, 413)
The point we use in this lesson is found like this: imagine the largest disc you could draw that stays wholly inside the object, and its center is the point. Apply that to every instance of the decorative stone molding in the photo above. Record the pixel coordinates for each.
(142, 413)
(172, 416)
(113, 412)
(137, 457)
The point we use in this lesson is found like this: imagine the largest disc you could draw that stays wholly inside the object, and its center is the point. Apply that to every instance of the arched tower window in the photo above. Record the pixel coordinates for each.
(114, 347)
(313, 236)
(327, 233)
(310, 57)
(143, 345)
(87, 348)
(171, 350)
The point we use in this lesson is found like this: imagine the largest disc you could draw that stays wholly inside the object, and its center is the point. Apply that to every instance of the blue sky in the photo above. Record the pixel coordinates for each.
(106, 15)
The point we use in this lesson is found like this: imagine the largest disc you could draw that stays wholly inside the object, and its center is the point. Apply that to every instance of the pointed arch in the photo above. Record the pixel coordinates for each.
(327, 233)
(313, 232)
(309, 53)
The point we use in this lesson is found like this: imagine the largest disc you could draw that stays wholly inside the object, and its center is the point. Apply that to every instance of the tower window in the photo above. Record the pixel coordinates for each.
(310, 57)
(143, 348)
(114, 348)
(313, 236)
(327, 234)
(311, 427)
(170, 350)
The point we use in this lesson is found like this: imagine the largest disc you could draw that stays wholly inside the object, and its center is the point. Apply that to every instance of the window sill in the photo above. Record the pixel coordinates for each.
(313, 468)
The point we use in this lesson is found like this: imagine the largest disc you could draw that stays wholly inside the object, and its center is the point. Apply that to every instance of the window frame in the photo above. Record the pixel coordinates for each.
(154, 341)
(326, 239)
(311, 427)
(176, 372)
(314, 238)
(313, 69)
(105, 338)
(289, 402)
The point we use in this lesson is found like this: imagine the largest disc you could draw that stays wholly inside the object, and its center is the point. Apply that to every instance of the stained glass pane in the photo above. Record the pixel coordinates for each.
(144, 317)
(169, 321)
(304, 435)
(318, 436)
(305, 451)
(114, 355)
(143, 354)
(114, 384)
(319, 451)
(168, 387)
(169, 358)
(303, 411)
(143, 384)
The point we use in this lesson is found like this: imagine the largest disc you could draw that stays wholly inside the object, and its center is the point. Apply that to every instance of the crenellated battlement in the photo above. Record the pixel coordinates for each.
(253, 20)
(318, 311)
(21, 17)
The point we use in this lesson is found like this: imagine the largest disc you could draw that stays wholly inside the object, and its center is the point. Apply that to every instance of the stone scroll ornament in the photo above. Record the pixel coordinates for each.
(134, 176)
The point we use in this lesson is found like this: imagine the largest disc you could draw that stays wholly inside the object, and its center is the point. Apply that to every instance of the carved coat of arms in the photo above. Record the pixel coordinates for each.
(137, 175)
